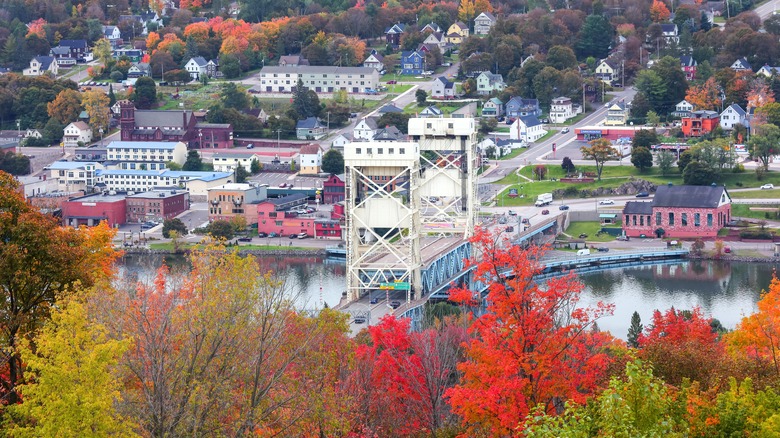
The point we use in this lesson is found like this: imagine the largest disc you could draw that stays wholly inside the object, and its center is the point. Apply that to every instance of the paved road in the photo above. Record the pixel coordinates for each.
(767, 9)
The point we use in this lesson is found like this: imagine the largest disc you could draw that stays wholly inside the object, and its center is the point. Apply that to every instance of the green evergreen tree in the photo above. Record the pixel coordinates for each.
(111, 95)
(333, 162)
(193, 163)
(241, 174)
(636, 328)
(595, 37)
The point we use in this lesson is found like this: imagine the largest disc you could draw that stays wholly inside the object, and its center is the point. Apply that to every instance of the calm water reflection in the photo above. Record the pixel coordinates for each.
(316, 279)
(725, 291)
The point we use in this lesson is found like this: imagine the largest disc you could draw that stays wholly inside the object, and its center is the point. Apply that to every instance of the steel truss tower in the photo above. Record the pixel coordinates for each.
(398, 193)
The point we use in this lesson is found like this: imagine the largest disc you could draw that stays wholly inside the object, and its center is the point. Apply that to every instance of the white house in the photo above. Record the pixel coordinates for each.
(494, 107)
(228, 162)
(488, 82)
(34, 133)
(527, 129)
(683, 109)
(40, 65)
(74, 175)
(147, 152)
(437, 39)
(365, 129)
(768, 71)
(741, 64)
(339, 142)
(139, 69)
(443, 88)
(77, 132)
(196, 67)
(310, 159)
(483, 23)
(561, 109)
(112, 33)
(607, 71)
(617, 114)
(375, 60)
(670, 32)
(732, 116)
(431, 111)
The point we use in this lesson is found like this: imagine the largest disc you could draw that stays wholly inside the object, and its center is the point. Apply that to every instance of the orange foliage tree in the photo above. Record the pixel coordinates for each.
(705, 96)
(759, 95)
(152, 40)
(659, 12)
(197, 31)
(37, 27)
(682, 344)
(757, 336)
(533, 346)
(40, 262)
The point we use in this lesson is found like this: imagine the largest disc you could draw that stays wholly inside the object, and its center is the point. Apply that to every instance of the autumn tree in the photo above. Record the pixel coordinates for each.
(533, 346)
(65, 107)
(682, 345)
(757, 336)
(764, 143)
(706, 96)
(39, 263)
(95, 103)
(759, 95)
(72, 388)
(540, 171)
(601, 151)
(467, 10)
(102, 51)
(659, 12)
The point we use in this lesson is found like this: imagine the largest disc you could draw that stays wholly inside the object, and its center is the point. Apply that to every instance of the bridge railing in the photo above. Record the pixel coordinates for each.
(596, 254)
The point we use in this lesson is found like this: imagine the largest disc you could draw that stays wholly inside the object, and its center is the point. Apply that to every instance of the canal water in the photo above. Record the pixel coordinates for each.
(724, 290)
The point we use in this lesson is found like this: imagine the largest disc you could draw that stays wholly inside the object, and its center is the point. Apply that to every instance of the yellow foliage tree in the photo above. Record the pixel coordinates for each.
(65, 107)
(96, 105)
(467, 10)
(102, 50)
(72, 388)
(705, 96)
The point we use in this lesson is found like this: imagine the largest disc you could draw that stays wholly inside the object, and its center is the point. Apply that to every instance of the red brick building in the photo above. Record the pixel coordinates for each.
(272, 219)
(172, 125)
(327, 229)
(157, 205)
(333, 189)
(90, 210)
(700, 123)
(679, 211)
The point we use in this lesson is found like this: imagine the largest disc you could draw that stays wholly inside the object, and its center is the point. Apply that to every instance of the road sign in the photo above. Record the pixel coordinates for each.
(398, 285)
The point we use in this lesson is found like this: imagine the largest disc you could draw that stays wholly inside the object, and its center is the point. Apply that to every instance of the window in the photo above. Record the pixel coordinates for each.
(684, 219)
(380, 151)
(390, 150)
(401, 150)
(369, 151)
(272, 214)
(641, 221)
(625, 219)
(696, 220)
(671, 219)
(658, 218)
(278, 223)
(709, 219)
(633, 219)
(357, 151)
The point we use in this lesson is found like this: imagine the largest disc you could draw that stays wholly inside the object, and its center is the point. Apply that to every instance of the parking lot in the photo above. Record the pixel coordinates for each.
(275, 179)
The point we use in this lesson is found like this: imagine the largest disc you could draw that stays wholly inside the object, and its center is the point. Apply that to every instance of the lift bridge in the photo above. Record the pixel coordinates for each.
(411, 208)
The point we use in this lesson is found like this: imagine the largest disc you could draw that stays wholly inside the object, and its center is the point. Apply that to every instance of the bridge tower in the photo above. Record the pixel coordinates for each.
(400, 193)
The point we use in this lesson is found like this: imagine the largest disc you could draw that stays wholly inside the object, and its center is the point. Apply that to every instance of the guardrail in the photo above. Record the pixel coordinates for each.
(756, 201)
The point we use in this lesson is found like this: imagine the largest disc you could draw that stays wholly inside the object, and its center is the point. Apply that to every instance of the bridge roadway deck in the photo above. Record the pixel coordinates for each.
(431, 248)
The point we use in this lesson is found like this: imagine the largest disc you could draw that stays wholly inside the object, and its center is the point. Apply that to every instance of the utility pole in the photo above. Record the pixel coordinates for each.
(278, 134)
(623, 72)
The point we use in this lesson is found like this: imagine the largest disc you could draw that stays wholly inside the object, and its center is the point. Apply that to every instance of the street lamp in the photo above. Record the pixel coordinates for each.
(200, 138)
(101, 137)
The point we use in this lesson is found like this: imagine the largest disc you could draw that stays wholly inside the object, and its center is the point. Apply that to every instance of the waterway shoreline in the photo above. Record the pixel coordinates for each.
(271, 252)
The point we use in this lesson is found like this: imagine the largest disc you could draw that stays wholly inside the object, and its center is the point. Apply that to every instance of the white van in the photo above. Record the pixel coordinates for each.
(584, 251)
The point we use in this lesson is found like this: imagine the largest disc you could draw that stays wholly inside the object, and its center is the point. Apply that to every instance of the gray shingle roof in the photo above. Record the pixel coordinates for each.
(308, 123)
(155, 118)
(634, 207)
(317, 69)
(688, 196)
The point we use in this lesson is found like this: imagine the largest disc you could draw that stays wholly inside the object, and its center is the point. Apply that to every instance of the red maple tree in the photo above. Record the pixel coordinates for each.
(533, 346)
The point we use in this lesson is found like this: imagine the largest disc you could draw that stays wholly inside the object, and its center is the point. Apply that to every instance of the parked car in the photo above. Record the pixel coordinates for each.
(526, 221)
(545, 212)
(606, 202)
(727, 249)
(767, 186)
(563, 207)
(244, 239)
(642, 195)
(282, 185)
(395, 304)
(502, 219)
(392, 82)
(510, 229)
(583, 236)
(374, 300)
(293, 236)
(303, 235)
(512, 213)
(250, 146)
(262, 234)
(273, 234)
(623, 238)
(602, 249)
(360, 320)
(565, 131)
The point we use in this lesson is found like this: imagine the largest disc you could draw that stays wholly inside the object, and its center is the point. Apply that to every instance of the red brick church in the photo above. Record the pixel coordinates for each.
(172, 125)
(680, 212)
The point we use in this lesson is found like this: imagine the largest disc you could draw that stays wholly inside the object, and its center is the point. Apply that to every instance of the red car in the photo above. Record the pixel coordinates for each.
(391, 82)
(282, 185)
(545, 211)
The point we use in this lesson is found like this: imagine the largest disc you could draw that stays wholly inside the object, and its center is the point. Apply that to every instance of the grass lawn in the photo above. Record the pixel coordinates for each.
(589, 228)
(503, 128)
(513, 154)
(752, 211)
(412, 78)
(549, 134)
(398, 88)
(576, 119)
(756, 194)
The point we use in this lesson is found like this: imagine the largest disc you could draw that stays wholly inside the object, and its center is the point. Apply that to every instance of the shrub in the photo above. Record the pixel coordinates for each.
(756, 234)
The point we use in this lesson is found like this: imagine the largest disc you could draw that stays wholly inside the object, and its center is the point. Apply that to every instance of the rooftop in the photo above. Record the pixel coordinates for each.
(163, 145)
